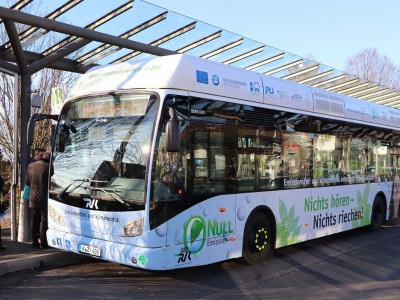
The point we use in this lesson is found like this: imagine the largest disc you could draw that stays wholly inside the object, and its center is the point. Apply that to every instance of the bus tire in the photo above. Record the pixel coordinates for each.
(257, 239)
(378, 213)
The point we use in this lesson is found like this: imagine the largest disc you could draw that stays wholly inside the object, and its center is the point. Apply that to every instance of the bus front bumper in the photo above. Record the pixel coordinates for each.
(139, 257)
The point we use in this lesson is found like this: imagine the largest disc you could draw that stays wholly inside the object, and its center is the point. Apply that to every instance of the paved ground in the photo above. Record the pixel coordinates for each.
(21, 256)
(358, 264)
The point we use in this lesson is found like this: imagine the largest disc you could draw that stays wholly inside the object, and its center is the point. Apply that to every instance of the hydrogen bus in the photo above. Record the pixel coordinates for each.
(177, 161)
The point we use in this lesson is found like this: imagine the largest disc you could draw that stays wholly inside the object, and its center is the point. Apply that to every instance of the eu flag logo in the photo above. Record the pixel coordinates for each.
(202, 77)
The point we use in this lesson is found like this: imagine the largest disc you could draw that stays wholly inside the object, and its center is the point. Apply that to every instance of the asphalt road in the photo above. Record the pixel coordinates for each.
(354, 265)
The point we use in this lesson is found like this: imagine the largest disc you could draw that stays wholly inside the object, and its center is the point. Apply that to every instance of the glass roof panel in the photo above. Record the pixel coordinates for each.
(244, 47)
(80, 16)
(149, 24)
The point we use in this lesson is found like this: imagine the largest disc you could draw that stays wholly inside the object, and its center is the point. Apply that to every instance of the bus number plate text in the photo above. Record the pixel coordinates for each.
(89, 250)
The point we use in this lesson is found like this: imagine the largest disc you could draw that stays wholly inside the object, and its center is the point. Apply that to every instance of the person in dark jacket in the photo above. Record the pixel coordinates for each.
(39, 152)
(37, 178)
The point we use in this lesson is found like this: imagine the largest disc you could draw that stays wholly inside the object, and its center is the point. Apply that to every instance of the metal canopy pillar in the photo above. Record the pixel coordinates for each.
(24, 232)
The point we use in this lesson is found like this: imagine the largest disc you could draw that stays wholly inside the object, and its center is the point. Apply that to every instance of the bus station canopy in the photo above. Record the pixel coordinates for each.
(75, 35)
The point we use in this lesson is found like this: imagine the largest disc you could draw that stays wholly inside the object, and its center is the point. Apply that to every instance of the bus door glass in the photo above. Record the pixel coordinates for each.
(258, 149)
(200, 154)
(203, 166)
(211, 141)
(246, 159)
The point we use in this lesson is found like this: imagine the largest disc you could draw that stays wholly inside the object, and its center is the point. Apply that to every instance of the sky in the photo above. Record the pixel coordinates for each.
(330, 31)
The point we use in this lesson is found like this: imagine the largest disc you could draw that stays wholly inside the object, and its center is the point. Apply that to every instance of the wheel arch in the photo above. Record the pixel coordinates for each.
(381, 195)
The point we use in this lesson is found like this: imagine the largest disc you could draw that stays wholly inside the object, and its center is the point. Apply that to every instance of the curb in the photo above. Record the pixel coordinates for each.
(50, 259)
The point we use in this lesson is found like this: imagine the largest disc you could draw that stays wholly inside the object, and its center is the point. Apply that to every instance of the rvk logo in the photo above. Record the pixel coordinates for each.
(91, 203)
(184, 255)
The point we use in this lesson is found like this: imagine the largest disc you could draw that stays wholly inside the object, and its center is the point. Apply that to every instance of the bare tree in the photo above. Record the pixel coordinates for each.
(43, 81)
(368, 64)
(46, 80)
(6, 116)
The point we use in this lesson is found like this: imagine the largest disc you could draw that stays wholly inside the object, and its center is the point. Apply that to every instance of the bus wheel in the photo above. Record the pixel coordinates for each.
(257, 239)
(378, 213)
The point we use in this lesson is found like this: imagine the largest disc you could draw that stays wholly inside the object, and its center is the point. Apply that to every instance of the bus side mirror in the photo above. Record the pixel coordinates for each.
(173, 134)
(32, 122)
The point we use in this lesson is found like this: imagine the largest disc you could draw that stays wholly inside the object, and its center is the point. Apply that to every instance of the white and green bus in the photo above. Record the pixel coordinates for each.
(177, 161)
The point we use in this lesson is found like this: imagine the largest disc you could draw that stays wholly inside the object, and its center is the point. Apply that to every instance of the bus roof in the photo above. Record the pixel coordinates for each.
(193, 74)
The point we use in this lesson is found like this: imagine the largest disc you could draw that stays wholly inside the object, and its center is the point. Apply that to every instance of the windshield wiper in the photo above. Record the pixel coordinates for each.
(64, 191)
(112, 193)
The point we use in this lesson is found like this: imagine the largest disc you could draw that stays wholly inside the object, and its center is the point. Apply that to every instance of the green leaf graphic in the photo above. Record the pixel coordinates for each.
(195, 230)
(366, 193)
(359, 198)
(282, 210)
(291, 213)
(364, 206)
(288, 229)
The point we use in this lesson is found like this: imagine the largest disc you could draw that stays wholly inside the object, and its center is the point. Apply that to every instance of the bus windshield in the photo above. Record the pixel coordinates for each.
(101, 149)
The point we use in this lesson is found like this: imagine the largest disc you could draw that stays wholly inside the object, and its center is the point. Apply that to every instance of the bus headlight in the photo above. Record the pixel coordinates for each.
(133, 228)
(56, 216)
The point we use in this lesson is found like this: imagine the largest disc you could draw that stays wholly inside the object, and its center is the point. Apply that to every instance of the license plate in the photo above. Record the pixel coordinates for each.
(89, 250)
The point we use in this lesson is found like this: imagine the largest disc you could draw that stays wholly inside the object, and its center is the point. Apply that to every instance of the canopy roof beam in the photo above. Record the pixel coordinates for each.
(57, 55)
(92, 26)
(20, 17)
(94, 54)
(17, 47)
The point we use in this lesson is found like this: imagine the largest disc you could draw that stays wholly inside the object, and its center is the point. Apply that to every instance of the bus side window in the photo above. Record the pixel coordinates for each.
(329, 163)
(297, 153)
